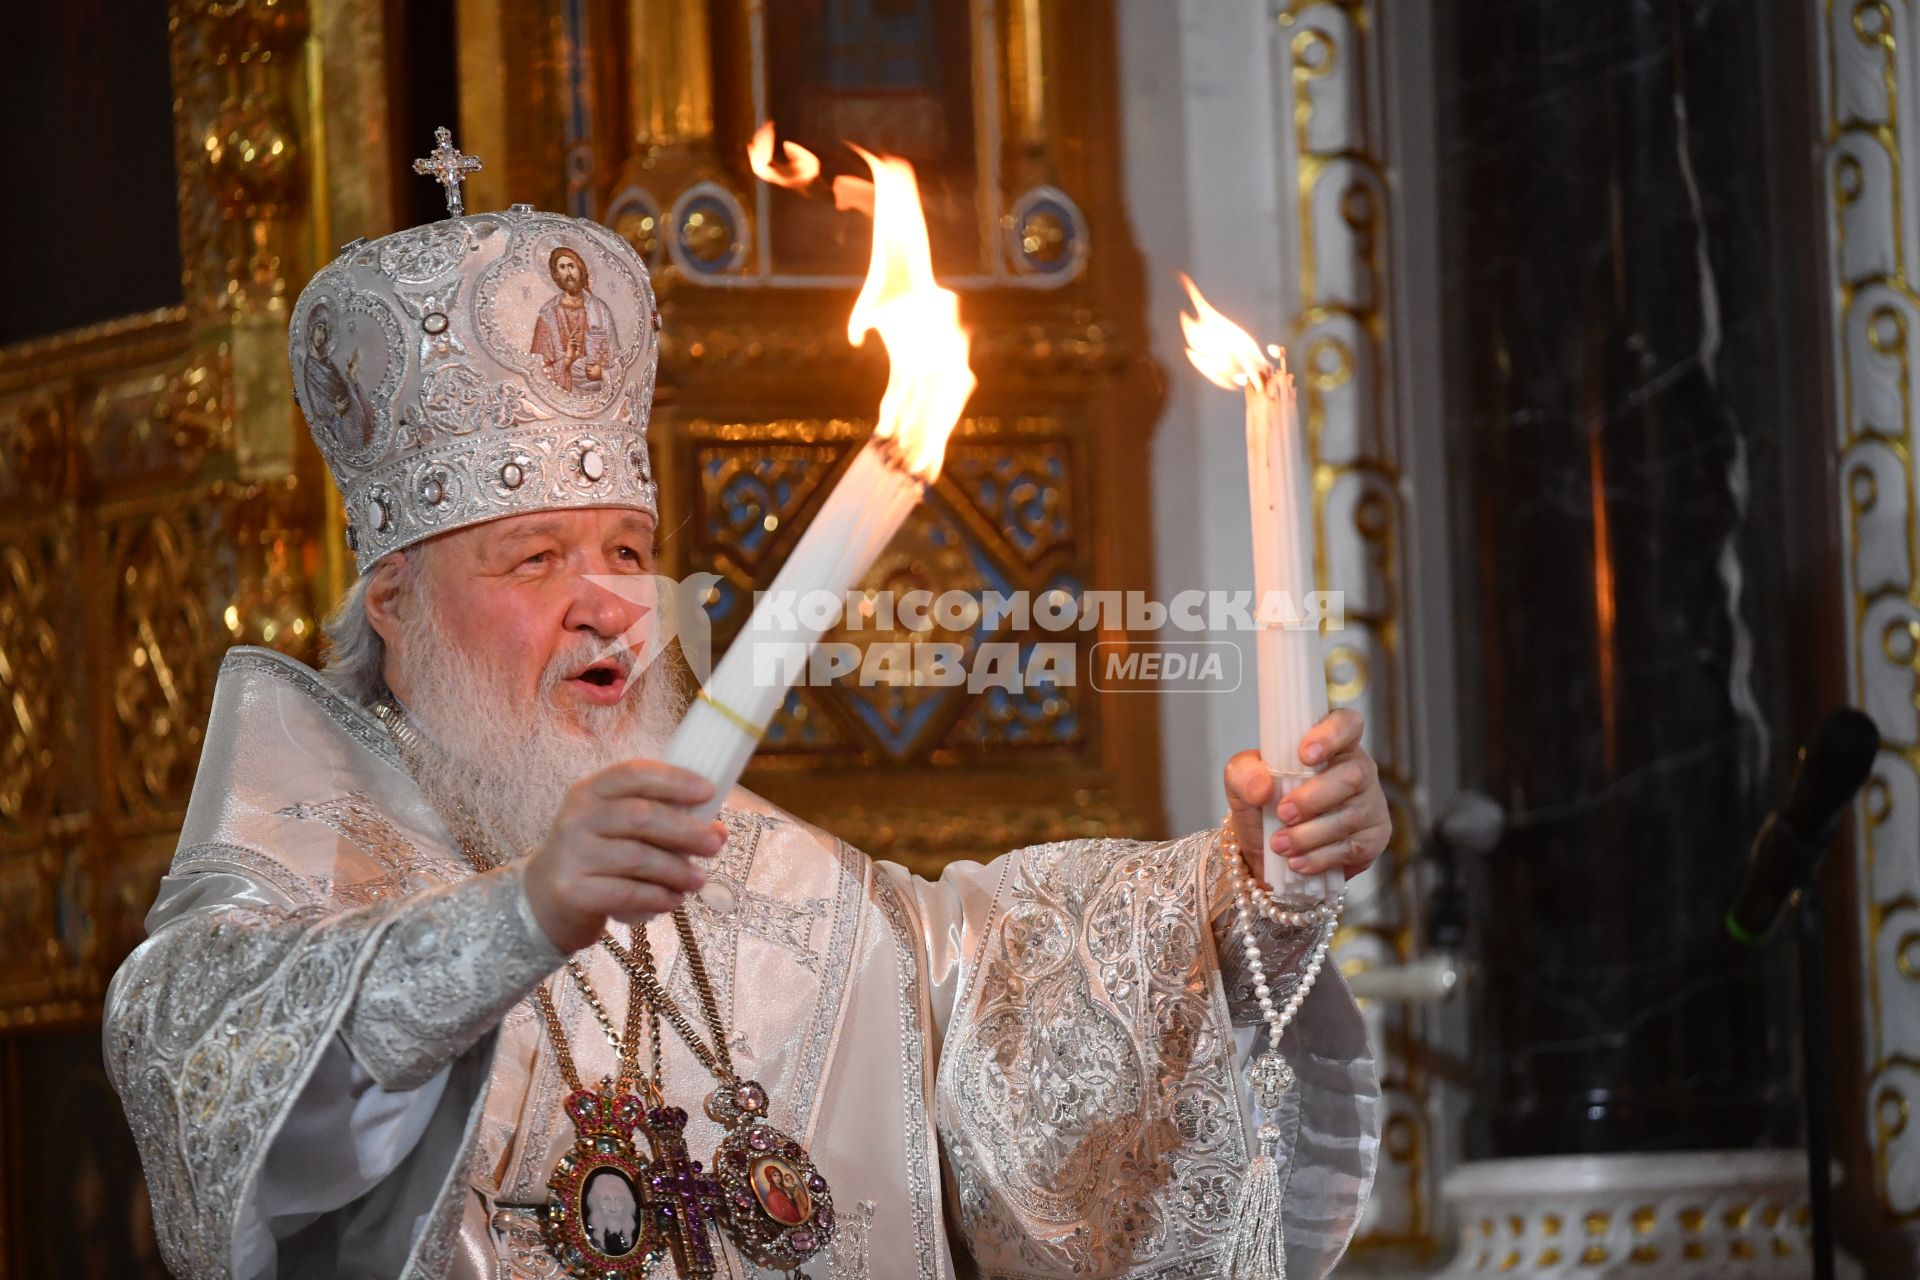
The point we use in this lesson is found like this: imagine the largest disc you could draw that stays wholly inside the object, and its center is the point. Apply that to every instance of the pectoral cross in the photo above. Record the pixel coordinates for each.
(450, 166)
(681, 1196)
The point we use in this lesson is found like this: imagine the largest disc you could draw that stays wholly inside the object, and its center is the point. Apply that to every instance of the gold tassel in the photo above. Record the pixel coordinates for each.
(1256, 1246)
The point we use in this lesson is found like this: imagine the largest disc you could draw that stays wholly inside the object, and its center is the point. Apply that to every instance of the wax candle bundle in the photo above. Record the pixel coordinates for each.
(1291, 672)
(927, 386)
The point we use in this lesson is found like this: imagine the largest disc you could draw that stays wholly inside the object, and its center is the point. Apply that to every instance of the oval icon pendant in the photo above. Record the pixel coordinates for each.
(774, 1205)
(597, 1222)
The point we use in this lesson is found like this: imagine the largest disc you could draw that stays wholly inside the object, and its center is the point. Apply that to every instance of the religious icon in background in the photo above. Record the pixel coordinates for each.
(574, 334)
(332, 393)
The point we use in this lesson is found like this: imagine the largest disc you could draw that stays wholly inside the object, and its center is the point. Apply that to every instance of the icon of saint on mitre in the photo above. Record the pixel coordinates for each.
(333, 396)
(574, 334)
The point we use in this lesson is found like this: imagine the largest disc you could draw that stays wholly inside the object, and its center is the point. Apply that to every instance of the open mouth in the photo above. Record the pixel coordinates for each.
(605, 674)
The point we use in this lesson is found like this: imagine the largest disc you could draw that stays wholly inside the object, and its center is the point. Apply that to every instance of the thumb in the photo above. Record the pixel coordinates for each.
(1250, 790)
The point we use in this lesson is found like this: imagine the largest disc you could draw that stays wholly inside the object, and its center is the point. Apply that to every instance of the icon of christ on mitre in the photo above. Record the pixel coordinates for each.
(447, 977)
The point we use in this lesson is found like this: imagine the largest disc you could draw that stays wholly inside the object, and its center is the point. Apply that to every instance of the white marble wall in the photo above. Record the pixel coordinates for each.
(1203, 190)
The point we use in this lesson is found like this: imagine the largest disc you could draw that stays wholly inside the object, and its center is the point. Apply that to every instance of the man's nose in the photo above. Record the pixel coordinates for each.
(596, 609)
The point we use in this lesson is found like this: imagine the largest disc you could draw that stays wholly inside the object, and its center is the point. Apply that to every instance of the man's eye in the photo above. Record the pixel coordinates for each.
(538, 557)
(629, 553)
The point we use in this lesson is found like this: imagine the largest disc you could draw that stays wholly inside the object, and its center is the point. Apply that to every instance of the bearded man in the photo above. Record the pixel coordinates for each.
(425, 898)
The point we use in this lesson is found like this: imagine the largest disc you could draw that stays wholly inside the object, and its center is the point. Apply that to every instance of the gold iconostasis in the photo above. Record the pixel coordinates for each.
(164, 502)
(160, 501)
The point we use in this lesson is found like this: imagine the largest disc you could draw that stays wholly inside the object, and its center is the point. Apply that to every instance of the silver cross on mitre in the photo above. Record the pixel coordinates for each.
(450, 166)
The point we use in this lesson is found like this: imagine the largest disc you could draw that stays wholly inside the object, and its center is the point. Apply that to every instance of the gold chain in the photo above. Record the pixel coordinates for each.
(639, 965)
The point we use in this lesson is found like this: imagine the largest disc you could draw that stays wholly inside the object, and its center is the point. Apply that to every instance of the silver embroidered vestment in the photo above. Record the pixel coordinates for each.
(331, 1066)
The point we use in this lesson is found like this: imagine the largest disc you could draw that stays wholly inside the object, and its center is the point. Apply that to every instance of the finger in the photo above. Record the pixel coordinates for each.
(1328, 829)
(1249, 785)
(631, 860)
(1324, 792)
(665, 825)
(1339, 732)
(1355, 853)
(631, 901)
(1367, 848)
(652, 780)
(1249, 790)
(1324, 859)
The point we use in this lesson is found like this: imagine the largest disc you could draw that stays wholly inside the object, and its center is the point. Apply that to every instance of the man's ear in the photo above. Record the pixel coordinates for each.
(388, 605)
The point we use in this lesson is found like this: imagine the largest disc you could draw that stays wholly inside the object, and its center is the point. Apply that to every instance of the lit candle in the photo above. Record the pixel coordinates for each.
(1291, 673)
(928, 385)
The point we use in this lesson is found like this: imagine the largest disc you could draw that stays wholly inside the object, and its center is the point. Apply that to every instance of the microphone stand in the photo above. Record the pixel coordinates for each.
(1814, 1076)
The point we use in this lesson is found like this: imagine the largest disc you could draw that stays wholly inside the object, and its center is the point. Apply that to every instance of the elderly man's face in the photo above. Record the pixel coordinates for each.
(515, 593)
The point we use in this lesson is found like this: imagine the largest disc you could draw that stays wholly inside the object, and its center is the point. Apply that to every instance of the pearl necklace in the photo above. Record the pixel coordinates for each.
(1249, 899)
(1255, 1246)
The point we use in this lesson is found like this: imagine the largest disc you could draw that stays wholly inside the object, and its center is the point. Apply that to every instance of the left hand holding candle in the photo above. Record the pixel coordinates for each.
(1338, 818)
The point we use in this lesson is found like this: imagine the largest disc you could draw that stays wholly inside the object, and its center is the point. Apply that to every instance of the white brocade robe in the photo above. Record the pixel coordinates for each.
(1028, 1068)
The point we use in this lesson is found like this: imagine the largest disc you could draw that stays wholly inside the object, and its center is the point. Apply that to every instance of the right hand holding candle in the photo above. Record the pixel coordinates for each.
(1338, 818)
(624, 846)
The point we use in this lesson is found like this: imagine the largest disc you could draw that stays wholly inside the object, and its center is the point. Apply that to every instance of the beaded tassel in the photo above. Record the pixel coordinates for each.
(1256, 1243)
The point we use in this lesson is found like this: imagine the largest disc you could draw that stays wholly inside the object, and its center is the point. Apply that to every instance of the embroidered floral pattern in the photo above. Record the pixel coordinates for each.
(443, 975)
(211, 1029)
(1086, 1103)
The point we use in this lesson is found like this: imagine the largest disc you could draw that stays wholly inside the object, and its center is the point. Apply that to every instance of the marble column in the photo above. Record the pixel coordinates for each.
(1627, 405)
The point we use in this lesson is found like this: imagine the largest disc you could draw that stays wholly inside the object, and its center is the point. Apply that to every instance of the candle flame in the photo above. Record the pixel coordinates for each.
(1220, 349)
(796, 174)
(928, 382)
(851, 193)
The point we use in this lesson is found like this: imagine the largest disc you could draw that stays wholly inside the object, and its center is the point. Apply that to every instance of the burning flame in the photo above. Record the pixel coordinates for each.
(1219, 348)
(853, 193)
(799, 171)
(919, 322)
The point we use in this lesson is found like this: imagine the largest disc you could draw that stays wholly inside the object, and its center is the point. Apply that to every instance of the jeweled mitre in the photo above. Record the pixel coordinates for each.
(480, 367)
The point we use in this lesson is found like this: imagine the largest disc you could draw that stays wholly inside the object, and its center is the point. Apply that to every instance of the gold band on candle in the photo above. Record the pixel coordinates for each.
(733, 717)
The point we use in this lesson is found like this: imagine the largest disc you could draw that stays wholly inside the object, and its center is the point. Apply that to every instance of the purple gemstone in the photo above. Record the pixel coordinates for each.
(666, 1210)
(802, 1241)
(816, 1182)
(823, 1218)
(758, 1140)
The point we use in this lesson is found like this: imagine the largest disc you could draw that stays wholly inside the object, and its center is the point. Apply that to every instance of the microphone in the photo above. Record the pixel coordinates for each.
(1787, 850)
(1469, 825)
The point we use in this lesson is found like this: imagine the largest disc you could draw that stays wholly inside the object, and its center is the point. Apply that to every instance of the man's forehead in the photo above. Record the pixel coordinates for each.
(588, 522)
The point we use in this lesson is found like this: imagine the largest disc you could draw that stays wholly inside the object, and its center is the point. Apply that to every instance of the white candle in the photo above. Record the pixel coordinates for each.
(928, 383)
(1290, 671)
(723, 726)
(1290, 667)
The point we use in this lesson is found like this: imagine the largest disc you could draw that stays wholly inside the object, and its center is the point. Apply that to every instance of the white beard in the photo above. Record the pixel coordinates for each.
(509, 764)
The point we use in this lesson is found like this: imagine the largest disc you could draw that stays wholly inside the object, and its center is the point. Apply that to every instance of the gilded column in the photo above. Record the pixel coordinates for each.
(1346, 345)
(669, 75)
(1868, 72)
(239, 149)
